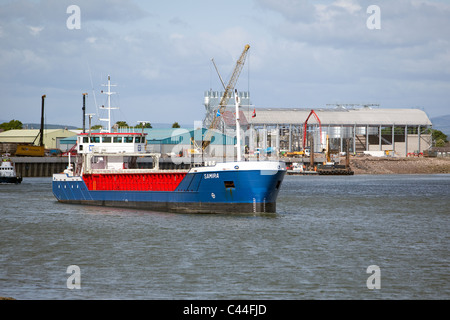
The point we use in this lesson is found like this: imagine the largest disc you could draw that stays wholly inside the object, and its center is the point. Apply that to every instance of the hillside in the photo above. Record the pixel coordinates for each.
(442, 123)
(48, 126)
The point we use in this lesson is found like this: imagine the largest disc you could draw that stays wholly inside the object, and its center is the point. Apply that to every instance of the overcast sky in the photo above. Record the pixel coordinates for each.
(303, 54)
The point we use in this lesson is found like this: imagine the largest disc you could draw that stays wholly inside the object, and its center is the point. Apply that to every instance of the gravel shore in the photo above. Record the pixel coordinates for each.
(396, 165)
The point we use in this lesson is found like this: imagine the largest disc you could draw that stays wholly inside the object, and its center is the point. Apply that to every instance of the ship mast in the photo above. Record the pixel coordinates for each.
(109, 108)
(238, 126)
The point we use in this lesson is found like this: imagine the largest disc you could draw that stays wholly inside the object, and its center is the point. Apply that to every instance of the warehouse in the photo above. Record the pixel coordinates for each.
(181, 142)
(175, 142)
(368, 129)
(52, 137)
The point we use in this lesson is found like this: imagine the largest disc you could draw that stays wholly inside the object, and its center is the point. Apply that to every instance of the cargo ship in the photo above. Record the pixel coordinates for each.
(111, 170)
(107, 173)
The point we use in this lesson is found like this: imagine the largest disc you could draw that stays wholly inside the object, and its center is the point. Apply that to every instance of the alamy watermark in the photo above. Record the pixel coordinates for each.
(74, 20)
(374, 20)
(374, 280)
(74, 280)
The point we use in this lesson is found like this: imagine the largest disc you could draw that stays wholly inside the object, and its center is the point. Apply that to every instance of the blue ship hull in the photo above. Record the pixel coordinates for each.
(199, 192)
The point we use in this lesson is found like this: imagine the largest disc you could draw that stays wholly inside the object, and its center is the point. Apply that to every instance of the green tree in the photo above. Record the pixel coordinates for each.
(438, 136)
(13, 124)
(440, 143)
(175, 125)
(122, 124)
(147, 125)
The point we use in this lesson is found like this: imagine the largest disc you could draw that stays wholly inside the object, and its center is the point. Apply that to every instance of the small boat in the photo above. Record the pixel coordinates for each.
(299, 169)
(8, 171)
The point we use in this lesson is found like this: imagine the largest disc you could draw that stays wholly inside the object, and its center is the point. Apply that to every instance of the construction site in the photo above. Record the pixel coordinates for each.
(317, 137)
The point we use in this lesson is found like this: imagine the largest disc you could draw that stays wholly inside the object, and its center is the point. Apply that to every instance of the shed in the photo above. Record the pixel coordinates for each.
(52, 137)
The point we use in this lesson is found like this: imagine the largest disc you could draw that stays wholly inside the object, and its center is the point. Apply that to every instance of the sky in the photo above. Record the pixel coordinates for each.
(303, 54)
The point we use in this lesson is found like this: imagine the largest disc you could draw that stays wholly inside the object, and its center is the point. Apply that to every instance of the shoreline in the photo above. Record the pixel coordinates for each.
(399, 165)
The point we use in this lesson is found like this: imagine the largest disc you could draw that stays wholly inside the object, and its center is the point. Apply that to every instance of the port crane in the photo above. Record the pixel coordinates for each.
(225, 97)
(305, 127)
(32, 150)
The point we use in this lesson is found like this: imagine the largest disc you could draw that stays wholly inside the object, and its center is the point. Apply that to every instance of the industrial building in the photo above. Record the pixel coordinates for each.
(51, 137)
(186, 142)
(277, 131)
(368, 128)
(176, 142)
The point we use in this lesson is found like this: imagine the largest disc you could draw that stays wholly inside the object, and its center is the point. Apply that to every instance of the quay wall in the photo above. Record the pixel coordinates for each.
(39, 166)
(47, 166)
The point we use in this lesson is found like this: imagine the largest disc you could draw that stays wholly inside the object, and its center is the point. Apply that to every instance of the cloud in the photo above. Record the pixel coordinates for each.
(34, 31)
(331, 55)
(343, 22)
(303, 53)
(293, 10)
(54, 11)
(411, 30)
(48, 37)
(351, 6)
(179, 22)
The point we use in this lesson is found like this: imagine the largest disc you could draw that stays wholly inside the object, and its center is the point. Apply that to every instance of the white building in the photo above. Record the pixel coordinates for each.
(395, 131)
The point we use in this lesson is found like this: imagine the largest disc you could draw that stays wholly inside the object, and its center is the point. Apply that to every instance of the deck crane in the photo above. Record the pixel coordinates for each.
(226, 96)
(305, 127)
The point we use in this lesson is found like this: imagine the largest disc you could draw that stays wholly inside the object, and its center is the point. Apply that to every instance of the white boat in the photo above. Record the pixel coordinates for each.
(8, 171)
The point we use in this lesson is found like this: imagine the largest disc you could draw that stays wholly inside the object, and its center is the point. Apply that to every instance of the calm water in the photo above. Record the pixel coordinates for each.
(326, 233)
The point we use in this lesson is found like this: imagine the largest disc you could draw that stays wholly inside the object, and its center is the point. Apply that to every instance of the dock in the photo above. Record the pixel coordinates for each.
(47, 166)
(39, 166)
(335, 171)
(301, 173)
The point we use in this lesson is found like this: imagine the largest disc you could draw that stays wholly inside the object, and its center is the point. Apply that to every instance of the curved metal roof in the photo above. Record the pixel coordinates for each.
(337, 117)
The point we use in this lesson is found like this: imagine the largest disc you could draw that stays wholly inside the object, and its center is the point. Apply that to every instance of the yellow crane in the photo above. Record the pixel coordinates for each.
(226, 96)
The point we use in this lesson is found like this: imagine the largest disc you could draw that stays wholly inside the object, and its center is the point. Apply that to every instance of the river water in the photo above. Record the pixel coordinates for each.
(319, 245)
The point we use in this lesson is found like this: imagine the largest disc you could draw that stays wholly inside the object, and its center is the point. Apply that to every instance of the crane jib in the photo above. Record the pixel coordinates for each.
(226, 95)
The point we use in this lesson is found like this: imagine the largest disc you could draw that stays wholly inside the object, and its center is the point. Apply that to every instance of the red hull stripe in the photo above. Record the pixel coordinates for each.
(134, 181)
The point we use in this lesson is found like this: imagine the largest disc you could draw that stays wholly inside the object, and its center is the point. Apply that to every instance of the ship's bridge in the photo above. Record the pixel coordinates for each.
(111, 142)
